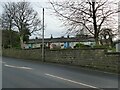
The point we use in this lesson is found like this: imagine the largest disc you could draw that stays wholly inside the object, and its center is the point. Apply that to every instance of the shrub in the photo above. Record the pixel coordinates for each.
(80, 45)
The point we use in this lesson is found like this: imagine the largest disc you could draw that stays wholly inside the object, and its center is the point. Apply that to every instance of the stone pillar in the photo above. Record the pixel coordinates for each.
(118, 47)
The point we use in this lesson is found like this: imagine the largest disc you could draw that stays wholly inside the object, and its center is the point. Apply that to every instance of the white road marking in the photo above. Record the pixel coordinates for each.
(18, 67)
(25, 68)
(70, 80)
(2, 62)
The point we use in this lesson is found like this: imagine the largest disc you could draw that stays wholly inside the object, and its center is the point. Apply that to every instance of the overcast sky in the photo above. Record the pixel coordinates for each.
(53, 25)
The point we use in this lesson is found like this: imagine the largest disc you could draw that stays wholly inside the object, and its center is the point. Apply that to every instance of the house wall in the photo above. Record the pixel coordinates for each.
(56, 45)
(36, 45)
(61, 45)
(72, 44)
(27, 46)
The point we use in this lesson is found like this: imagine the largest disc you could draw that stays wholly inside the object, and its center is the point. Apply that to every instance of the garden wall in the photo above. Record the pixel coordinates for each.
(91, 58)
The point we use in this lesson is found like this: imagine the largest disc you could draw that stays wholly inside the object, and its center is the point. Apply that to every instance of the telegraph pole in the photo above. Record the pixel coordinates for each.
(43, 54)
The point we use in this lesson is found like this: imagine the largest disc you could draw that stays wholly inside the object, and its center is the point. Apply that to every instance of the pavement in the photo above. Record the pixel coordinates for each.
(18, 73)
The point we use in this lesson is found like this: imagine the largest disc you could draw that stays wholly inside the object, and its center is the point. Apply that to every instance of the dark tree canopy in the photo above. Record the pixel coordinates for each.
(22, 17)
(6, 40)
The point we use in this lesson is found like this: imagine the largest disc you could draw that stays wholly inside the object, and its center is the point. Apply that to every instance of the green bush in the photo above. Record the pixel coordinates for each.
(101, 46)
(80, 45)
(112, 49)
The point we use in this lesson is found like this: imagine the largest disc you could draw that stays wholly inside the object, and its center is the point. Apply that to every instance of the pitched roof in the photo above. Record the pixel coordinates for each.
(54, 40)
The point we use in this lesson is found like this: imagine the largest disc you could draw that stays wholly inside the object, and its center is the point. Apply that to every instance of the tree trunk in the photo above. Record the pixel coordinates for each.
(96, 41)
(21, 42)
(95, 25)
(111, 42)
(10, 34)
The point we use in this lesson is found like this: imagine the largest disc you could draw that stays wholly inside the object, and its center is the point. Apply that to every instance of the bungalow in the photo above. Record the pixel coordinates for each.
(62, 42)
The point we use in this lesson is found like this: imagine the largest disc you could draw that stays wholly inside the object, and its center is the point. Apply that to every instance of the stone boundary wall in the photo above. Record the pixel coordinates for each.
(91, 58)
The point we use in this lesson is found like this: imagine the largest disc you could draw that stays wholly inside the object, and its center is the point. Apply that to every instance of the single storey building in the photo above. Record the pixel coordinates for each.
(62, 42)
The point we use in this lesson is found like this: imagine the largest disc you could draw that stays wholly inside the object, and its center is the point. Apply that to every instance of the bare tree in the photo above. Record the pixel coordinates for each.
(22, 17)
(87, 14)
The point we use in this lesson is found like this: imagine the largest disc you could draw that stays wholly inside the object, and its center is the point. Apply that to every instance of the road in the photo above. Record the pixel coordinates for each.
(18, 73)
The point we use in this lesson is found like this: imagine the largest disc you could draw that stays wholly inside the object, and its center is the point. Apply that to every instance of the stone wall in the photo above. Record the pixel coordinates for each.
(23, 54)
(91, 58)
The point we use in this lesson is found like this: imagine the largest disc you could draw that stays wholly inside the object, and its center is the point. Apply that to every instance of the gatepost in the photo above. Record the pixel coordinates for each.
(118, 46)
